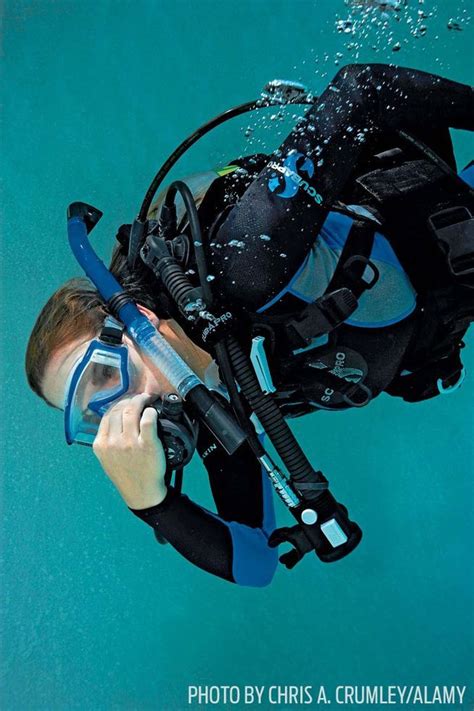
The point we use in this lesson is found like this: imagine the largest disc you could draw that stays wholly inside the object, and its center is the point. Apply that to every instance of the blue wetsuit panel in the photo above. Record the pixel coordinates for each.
(253, 561)
(467, 174)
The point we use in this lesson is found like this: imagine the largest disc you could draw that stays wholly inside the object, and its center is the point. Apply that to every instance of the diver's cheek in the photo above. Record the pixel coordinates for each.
(151, 382)
(165, 387)
(137, 379)
(156, 384)
(144, 378)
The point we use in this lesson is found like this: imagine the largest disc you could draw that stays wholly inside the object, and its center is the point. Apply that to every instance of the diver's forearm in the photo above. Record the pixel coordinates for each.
(191, 532)
(232, 551)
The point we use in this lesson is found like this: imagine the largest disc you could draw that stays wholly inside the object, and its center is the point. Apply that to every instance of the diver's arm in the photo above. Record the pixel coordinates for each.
(361, 103)
(234, 544)
(230, 550)
(131, 454)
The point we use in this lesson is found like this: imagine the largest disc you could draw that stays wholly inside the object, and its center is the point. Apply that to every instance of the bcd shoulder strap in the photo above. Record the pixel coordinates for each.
(354, 274)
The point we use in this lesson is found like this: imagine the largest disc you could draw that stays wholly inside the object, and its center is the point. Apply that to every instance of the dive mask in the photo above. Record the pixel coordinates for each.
(100, 378)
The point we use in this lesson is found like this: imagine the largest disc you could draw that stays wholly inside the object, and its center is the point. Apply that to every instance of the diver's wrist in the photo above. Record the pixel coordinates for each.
(151, 516)
(147, 500)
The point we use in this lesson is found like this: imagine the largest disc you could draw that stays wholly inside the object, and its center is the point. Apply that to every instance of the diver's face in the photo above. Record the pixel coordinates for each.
(58, 369)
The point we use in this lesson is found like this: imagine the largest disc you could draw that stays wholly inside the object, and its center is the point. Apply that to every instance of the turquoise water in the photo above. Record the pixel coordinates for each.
(97, 616)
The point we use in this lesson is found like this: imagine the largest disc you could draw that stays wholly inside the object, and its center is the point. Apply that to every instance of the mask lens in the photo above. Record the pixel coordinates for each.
(96, 383)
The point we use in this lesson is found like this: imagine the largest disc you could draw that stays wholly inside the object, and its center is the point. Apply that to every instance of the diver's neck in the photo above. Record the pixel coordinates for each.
(200, 360)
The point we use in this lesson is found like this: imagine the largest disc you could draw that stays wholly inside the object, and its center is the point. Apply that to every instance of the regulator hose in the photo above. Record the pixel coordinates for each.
(271, 418)
(335, 535)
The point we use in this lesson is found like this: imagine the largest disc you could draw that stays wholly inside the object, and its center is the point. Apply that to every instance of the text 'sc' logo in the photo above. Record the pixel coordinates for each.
(291, 173)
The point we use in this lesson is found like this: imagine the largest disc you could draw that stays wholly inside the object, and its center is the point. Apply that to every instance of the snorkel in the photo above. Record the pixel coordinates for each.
(82, 218)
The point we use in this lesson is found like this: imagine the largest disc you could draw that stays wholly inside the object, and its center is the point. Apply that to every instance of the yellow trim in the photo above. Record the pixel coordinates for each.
(226, 170)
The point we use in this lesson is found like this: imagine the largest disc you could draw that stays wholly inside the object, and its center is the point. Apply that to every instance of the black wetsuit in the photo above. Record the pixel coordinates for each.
(232, 544)
(361, 106)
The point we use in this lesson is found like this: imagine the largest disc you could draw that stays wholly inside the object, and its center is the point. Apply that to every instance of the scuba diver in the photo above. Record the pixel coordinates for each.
(339, 267)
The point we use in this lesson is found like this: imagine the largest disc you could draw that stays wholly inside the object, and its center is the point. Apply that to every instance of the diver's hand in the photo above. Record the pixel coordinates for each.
(130, 452)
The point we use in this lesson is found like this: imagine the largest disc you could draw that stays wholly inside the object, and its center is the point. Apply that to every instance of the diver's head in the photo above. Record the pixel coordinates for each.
(75, 314)
(63, 332)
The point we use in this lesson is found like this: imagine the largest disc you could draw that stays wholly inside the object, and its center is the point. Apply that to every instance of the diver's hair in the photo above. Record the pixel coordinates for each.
(76, 309)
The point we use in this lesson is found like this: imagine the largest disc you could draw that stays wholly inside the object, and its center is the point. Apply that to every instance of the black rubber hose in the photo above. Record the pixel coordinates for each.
(273, 422)
(225, 369)
(176, 283)
(191, 210)
(220, 349)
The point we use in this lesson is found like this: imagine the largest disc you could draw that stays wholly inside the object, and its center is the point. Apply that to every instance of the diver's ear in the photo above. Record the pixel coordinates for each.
(149, 314)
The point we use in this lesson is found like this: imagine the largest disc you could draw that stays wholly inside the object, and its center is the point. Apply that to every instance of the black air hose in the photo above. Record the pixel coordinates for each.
(311, 485)
(275, 425)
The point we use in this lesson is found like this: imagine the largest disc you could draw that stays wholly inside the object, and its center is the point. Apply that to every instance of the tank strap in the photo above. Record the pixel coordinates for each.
(427, 211)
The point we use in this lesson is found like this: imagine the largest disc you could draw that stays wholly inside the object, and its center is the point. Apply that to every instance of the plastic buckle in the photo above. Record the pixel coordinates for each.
(369, 276)
(454, 229)
(337, 306)
(260, 365)
(321, 317)
(451, 388)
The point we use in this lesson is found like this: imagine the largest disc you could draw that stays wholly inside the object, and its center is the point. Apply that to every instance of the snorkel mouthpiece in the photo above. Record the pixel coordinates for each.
(82, 218)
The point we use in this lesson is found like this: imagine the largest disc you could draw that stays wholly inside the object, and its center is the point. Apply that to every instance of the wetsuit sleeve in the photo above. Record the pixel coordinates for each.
(232, 544)
(281, 212)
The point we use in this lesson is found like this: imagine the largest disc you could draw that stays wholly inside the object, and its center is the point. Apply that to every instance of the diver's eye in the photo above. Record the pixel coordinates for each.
(108, 371)
(103, 374)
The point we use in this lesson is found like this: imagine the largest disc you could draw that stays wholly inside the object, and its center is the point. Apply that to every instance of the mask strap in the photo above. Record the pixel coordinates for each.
(112, 331)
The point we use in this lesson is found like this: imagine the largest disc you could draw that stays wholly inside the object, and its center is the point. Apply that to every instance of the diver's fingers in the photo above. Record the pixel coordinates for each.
(149, 426)
(132, 410)
(291, 558)
(149, 437)
(111, 422)
(279, 535)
